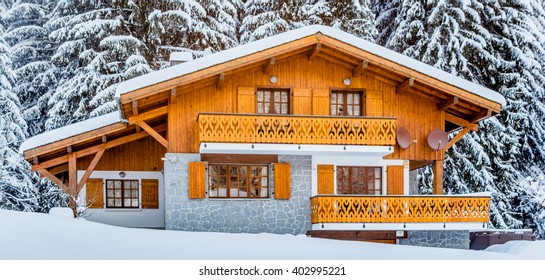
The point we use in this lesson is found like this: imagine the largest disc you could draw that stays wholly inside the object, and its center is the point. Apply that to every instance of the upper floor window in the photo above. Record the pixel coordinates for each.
(347, 103)
(238, 181)
(359, 180)
(273, 101)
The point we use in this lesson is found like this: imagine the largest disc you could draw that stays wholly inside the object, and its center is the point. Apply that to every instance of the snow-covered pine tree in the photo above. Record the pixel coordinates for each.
(31, 50)
(263, 18)
(200, 27)
(17, 191)
(96, 52)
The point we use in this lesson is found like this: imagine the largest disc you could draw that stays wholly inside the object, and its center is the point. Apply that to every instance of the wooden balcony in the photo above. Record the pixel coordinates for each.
(291, 129)
(399, 209)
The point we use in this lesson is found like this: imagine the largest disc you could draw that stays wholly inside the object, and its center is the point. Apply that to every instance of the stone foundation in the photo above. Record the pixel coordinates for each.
(457, 239)
(237, 215)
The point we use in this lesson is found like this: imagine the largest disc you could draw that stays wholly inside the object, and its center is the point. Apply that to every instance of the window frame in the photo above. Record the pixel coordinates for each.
(345, 93)
(123, 206)
(229, 184)
(272, 101)
(341, 189)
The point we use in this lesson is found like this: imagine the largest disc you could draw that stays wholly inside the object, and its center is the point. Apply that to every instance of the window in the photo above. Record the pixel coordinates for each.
(359, 180)
(273, 101)
(122, 194)
(238, 181)
(347, 103)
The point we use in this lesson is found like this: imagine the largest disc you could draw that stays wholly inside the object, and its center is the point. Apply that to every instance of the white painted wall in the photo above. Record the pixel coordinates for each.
(147, 218)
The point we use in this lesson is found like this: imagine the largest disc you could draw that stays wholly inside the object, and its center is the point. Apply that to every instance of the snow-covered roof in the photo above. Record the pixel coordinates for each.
(71, 130)
(289, 36)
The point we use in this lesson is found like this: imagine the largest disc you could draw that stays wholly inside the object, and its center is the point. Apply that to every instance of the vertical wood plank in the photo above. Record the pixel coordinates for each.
(150, 193)
(438, 177)
(246, 102)
(282, 177)
(326, 179)
(197, 180)
(395, 180)
(373, 103)
(320, 102)
(302, 101)
(94, 193)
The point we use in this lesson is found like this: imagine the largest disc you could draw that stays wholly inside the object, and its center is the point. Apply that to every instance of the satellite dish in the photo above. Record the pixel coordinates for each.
(403, 138)
(437, 139)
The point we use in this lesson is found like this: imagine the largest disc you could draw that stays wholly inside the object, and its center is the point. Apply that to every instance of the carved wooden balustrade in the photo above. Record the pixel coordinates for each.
(399, 209)
(291, 129)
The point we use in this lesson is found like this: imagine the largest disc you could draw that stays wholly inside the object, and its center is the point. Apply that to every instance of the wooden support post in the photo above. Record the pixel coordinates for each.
(90, 169)
(72, 180)
(268, 65)
(438, 177)
(315, 51)
(360, 68)
(153, 133)
(405, 86)
(461, 122)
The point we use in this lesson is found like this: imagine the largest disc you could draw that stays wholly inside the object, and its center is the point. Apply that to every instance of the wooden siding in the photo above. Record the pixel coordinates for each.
(395, 179)
(94, 193)
(326, 179)
(282, 178)
(141, 155)
(309, 80)
(150, 193)
(197, 180)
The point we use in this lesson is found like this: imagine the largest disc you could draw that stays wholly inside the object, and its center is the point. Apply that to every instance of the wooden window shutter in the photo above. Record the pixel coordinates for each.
(302, 101)
(150, 193)
(94, 193)
(395, 179)
(246, 102)
(326, 177)
(197, 180)
(320, 102)
(282, 181)
(373, 103)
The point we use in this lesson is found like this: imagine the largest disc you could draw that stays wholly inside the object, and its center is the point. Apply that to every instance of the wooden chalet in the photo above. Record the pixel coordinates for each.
(293, 133)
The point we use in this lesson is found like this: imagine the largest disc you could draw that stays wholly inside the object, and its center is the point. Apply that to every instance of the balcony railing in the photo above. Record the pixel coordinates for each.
(291, 129)
(399, 209)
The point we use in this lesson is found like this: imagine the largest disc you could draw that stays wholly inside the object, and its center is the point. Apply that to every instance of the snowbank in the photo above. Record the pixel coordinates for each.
(42, 236)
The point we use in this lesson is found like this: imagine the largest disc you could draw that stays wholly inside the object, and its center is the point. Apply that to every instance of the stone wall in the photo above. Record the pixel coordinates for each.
(237, 215)
(458, 239)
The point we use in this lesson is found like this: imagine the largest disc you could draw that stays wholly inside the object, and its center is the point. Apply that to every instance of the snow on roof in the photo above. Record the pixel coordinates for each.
(289, 36)
(71, 130)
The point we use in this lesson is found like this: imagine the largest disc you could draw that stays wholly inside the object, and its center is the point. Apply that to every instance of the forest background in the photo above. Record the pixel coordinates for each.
(61, 61)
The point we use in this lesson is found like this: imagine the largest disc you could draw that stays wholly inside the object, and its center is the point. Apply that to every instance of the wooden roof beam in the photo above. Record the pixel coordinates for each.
(149, 115)
(360, 68)
(315, 51)
(58, 169)
(153, 133)
(405, 86)
(270, 63)
(219, 82)
(92, 150)
(481, 116)
(449, 102)
(461, 122)
(135, 108)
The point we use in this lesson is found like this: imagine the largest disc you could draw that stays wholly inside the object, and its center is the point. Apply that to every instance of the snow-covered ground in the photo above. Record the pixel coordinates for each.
(43, 236)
